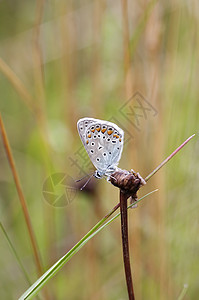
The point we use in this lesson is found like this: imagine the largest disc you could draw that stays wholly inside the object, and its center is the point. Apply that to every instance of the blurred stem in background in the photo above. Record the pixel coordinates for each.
(21, 198)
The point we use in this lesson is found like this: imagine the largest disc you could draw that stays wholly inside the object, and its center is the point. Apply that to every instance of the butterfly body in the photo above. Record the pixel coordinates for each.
(103, 142)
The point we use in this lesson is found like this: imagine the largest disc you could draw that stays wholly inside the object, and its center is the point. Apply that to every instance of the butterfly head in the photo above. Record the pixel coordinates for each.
(98, 174)
(105, 173)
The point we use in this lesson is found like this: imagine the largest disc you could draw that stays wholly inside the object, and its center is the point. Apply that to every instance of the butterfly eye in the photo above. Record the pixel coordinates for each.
(98, 175)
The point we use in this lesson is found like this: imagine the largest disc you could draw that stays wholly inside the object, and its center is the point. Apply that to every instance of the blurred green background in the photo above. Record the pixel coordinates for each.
(63, 60)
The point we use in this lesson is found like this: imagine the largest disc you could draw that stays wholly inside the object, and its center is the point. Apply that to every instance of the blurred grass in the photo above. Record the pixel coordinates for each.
(79, 52)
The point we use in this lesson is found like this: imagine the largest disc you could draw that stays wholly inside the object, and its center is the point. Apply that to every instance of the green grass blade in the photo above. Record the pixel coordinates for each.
(34, 289)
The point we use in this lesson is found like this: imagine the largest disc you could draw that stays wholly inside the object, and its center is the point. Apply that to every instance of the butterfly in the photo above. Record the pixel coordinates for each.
(103, 142)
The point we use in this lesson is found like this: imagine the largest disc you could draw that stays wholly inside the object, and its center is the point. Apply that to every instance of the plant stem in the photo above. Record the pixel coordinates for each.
(21, 197)
(125, 244)
(168, 158)
(124, 224)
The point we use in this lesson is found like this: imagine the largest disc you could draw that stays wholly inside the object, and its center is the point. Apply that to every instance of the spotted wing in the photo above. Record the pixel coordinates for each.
(103, 142)
(82, 127)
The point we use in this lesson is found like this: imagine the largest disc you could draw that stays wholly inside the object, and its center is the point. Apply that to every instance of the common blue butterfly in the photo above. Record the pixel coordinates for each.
(103, 142)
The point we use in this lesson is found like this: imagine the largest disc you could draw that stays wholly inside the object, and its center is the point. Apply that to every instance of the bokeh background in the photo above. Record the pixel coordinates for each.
(135, 63)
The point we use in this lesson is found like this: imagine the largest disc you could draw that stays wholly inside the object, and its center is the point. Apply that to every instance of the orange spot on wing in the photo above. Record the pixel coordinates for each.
(89, 135)
(115, 135)
(87, 142)
(98, 129)
(93, 130)
(103, 130)
(120, 140)
(110, 132)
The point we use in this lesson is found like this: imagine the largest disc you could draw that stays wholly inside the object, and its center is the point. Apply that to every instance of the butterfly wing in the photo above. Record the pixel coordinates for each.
(103, 142)
(82, 127)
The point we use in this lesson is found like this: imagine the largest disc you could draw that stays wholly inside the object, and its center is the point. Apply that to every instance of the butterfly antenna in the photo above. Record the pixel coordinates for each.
(83, 177)
(86, 182)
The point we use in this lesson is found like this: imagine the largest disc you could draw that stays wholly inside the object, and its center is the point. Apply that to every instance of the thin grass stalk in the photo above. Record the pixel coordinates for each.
(154, 70)
(39, 80)
(127, 54)
(38, 65)
(21, 198)
(98, 9)
(168, 158)
(141, 26)
(15, 254)
(39, 75)
(70, 41)
(128, 92)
